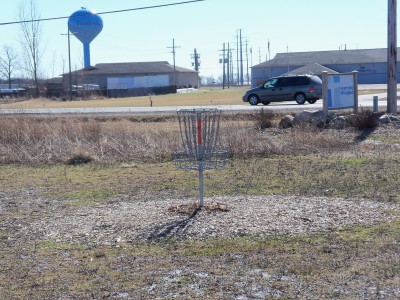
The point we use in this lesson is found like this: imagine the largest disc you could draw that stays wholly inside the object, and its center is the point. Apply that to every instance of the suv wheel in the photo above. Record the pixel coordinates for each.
(266, 102)
(253, 99)
(300, 98)
(312, 101)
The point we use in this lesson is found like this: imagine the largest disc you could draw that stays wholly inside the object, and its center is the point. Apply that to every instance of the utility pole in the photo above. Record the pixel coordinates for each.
(69, 62)
(228, 65)
(230, 55)
(196, 64)
(223, 66)
(196, 60)
(223, 61)
(247, 63)
(69, 65)
(241, 57)
(251, 56)
(392, 58)
(173, 54)
(287, 52)
(237, 59)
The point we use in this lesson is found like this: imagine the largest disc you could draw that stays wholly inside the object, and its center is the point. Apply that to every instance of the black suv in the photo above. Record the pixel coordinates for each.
(300, 88)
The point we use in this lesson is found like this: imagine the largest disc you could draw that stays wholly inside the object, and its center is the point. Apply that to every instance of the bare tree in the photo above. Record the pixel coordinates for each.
(8, 63)
(31, 39)
(209, 80)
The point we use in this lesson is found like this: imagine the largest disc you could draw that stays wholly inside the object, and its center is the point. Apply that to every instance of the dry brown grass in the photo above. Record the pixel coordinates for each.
(56, 140)
(35, 140)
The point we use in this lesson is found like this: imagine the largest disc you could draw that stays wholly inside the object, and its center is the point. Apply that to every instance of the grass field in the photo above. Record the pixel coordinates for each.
(131, 161)
(204, 96)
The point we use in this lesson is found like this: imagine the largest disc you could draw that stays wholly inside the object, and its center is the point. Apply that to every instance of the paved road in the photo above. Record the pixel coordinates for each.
(289, 106)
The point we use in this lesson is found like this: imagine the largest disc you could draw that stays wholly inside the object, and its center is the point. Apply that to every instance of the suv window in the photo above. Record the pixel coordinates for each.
(300, 81)
(292, 81)
(270, 83)
(284, 82)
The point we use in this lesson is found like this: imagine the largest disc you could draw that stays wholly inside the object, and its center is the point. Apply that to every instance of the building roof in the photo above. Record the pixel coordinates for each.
(312, 69)
(155, 67)
(58, 79)
(327, 57)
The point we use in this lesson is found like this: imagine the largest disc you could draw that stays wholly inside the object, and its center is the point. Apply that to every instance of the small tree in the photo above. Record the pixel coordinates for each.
(8, 63)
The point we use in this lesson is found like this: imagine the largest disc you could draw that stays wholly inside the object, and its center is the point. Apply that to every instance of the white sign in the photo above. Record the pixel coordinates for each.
(131, 82)
(115, 83)
(341, 91)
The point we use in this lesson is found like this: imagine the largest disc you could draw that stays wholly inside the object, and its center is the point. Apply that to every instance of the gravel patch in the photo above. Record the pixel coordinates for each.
(257, 216)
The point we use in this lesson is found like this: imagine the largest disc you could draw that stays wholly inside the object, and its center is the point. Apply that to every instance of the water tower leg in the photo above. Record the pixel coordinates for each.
(86, 55)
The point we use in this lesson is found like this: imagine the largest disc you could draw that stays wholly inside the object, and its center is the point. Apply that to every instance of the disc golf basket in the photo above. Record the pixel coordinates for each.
(199, 130)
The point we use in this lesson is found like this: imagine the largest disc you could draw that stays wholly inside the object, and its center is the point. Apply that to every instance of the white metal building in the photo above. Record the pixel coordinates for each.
(134, 78)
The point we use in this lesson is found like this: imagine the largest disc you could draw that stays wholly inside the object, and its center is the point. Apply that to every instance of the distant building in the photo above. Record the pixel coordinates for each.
(371, 64)
(134, 78)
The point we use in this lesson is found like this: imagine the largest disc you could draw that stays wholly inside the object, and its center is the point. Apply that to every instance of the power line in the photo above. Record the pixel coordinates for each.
(103, 13)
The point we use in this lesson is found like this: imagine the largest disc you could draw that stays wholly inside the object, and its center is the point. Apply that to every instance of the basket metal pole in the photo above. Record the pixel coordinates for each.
(201, 184)
(200, 158)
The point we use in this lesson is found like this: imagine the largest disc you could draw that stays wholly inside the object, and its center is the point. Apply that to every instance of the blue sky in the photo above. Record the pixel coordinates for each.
(145, 35)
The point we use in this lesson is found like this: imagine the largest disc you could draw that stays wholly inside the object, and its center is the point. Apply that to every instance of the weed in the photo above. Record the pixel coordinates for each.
(264, 119)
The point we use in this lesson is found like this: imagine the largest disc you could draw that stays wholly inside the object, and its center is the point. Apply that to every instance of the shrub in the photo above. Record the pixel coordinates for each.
(79, 159)
(364, 119)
